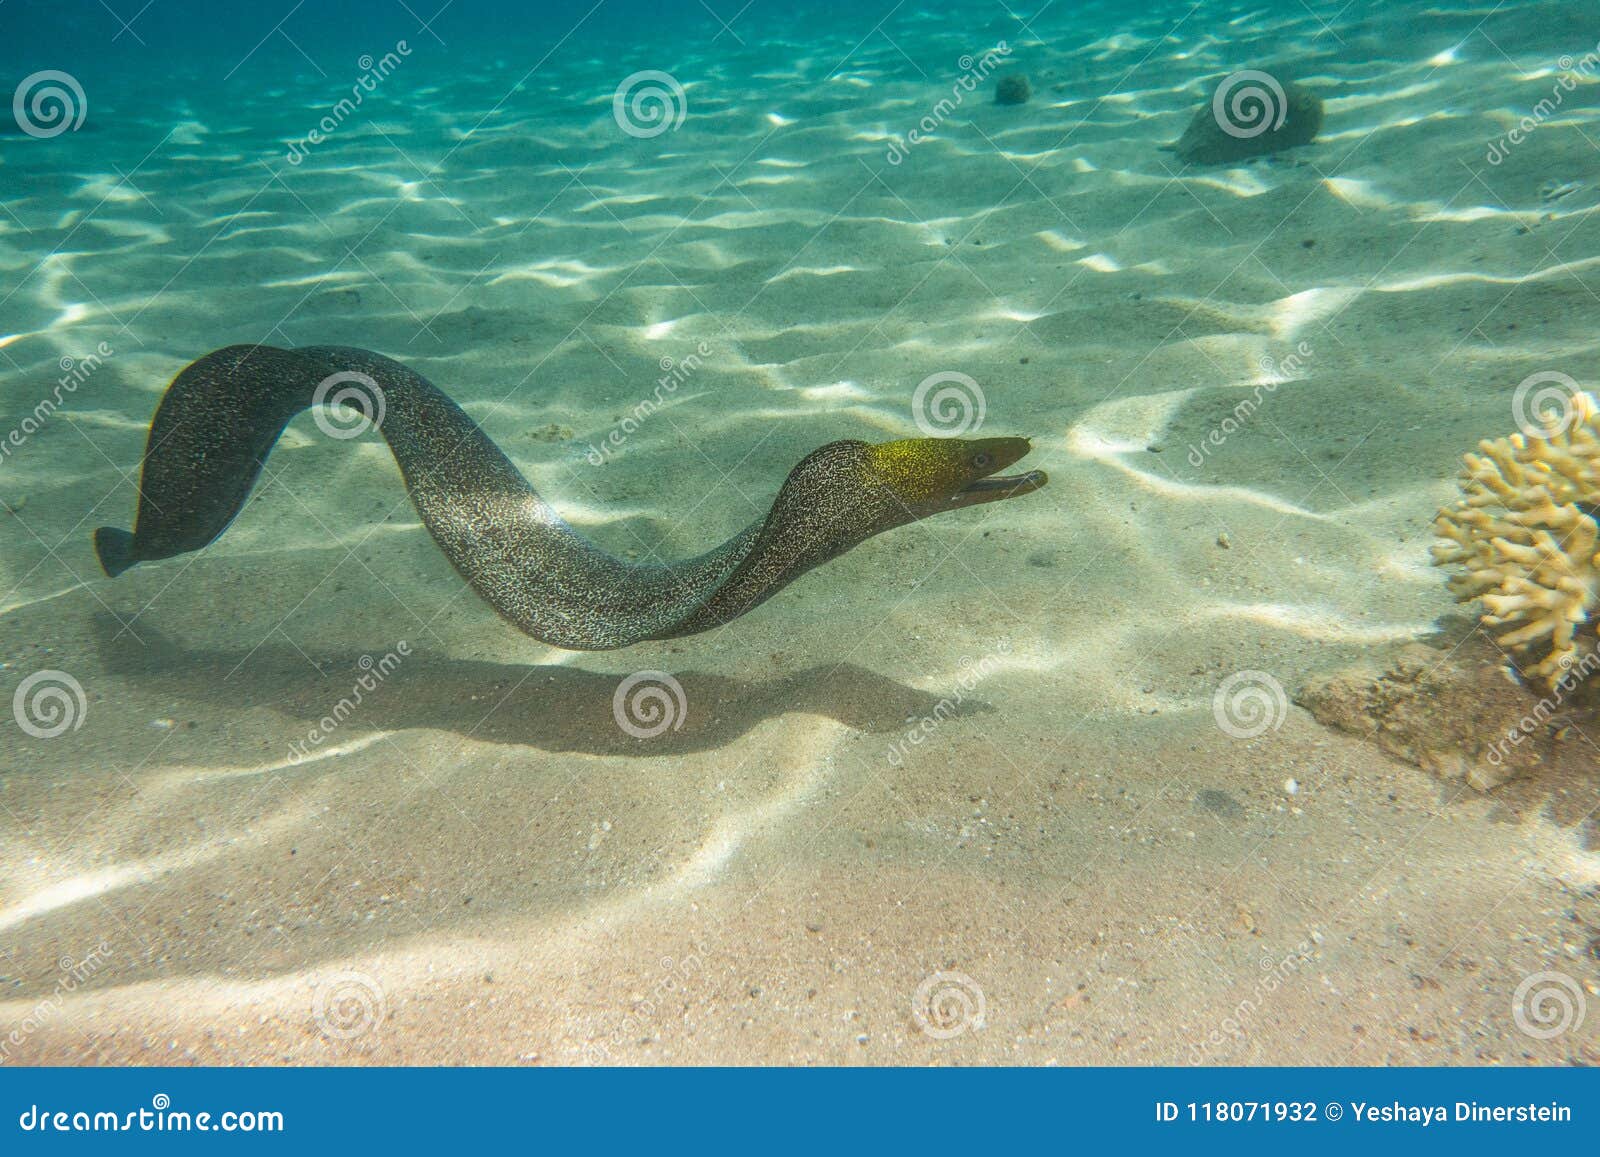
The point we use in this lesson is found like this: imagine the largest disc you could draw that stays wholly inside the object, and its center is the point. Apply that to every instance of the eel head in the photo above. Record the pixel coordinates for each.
(927, 476)
(844, 493)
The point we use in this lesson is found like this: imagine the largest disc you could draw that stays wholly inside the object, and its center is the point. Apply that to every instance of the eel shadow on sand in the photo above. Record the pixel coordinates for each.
(553, 708)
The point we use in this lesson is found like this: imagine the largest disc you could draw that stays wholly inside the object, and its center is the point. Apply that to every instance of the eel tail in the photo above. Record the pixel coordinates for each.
(114, 548)
(221, 416)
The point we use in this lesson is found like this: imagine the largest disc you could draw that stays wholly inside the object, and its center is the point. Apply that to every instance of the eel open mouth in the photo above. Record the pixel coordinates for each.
(1011, 483)
(994, 454)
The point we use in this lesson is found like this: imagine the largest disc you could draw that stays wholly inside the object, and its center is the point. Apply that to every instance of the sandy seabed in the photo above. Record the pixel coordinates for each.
(1081, 861)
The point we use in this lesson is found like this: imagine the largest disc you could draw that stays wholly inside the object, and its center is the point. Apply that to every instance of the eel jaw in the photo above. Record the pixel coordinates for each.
(993, 487)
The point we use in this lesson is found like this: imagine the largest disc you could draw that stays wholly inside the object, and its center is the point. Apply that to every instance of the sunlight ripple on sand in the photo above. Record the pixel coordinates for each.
(74, 889)
(1328, 625)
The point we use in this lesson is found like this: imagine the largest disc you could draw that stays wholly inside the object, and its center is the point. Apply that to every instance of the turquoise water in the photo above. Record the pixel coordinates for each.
(1029, 782)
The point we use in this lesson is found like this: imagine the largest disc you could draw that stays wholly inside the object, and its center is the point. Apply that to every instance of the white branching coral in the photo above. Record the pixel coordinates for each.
(1525, 538)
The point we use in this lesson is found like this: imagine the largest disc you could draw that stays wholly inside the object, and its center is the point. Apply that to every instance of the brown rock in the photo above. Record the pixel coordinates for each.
(1250, 114)
(1454, 713)
(1013, 89)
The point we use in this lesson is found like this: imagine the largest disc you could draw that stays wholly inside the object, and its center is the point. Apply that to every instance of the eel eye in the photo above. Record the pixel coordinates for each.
(982, 461)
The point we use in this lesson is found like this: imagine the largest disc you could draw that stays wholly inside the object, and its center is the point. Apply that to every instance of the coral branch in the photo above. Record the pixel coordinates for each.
(1524, 541)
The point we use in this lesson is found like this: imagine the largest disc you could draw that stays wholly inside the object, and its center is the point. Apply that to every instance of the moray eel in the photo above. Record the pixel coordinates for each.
(221, 416)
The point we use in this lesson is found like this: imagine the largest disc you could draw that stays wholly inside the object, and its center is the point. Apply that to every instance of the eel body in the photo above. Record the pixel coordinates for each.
(222, 414)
